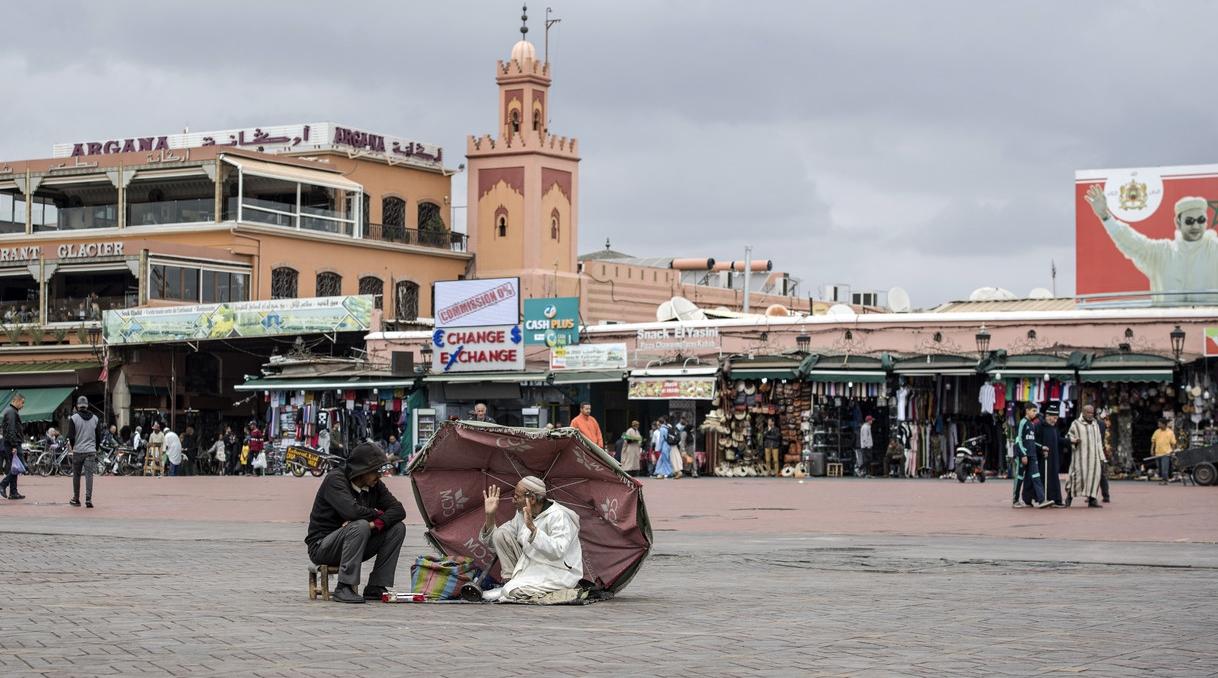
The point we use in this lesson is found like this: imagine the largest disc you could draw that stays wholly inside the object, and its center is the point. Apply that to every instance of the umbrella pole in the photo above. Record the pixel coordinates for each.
(472, 592)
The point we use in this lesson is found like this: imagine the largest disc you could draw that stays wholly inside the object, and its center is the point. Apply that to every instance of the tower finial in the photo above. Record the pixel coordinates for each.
(524, 21)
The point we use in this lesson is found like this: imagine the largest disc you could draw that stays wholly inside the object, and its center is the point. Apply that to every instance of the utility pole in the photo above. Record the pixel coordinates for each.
(748, 264)
(549, 22)
(1053, 276)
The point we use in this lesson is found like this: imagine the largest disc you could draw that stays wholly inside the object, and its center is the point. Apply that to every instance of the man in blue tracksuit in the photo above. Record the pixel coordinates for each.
(1027, 462)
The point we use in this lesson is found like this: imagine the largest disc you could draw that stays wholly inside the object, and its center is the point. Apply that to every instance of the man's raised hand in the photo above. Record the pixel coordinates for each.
(1098, 201)
(490, 499)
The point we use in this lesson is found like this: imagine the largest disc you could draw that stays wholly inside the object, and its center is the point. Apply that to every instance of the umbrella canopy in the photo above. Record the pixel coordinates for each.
(463, 459)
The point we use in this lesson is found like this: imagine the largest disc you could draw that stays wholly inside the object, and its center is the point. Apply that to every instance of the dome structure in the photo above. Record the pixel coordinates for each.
(523, 51)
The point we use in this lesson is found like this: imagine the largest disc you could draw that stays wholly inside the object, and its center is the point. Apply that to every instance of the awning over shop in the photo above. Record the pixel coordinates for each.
(491, 377)
(844, 369)
(936, 365)
(323, 383)
(676, 371)
(589, 377)
(41, 403)
(764, 374)
(293, 173)
(1030, 366)
(1130, 367)
(764, 367)
(48, 373)
(5, 397)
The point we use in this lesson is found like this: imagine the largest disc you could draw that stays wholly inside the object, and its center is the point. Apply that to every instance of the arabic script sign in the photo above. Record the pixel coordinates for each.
(278, 139)
(239, 319)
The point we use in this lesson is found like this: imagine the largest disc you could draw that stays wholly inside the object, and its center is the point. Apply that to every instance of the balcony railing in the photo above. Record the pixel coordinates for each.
(79, 218)
(82, 309)
(449, 240)
(189, 211)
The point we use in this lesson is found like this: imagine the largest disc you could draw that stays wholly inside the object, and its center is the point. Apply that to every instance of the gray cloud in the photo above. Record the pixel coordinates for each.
(930, 144)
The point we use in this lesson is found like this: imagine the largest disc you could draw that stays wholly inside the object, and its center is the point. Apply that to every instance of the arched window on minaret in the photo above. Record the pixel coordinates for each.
(536, 121)
(554, 224)
(515, 121)
(501, 227)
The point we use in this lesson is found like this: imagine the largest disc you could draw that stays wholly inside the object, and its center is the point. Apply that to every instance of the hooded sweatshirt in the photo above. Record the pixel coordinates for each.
(84, 431)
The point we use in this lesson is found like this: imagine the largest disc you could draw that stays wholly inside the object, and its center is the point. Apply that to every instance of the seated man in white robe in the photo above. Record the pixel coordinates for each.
(539, 550)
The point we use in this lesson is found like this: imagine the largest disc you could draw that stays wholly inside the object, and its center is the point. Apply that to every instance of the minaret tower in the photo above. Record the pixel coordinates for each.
(523, 195)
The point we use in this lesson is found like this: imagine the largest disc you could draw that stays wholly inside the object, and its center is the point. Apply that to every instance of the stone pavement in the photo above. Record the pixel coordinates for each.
(205, 577)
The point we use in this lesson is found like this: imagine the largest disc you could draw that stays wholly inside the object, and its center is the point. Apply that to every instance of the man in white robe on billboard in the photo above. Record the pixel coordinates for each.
(539, 549)
(1187, 263)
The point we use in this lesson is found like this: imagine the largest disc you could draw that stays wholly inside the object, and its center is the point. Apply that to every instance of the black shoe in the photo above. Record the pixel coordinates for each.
(1091, 503)
(88, 504)
(344, 593)
(374, 593)
(1069, 501)
(1107, 500)
(14, 495)
(74, 502)
(4, 492)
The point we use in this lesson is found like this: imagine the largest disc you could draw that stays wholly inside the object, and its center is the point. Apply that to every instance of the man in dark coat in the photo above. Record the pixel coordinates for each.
(355, 518)
(11, 437)
(1050, 463)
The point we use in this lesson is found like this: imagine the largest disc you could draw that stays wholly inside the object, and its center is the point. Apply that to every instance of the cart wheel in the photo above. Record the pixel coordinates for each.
(1205, 473)
(317, 472)
(960, 475)
(298, 470)
(981, 477)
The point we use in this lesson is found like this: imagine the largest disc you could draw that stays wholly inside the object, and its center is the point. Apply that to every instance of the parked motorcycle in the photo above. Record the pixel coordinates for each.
(970, 459)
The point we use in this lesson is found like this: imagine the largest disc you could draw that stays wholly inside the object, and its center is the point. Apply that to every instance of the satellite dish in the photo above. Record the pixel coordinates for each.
(1040, 293)
(990, 294)
(898, 300)
(840, 309)
(777, 311)
(679, 308)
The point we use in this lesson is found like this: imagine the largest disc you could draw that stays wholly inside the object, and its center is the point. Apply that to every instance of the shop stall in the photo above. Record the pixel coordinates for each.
(675, 391)
(1131, 391)
(934, 407)
(847, 398)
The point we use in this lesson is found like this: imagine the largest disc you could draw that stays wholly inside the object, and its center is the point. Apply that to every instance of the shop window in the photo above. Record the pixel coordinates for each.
(173, 283)
(283, 283)
(374, 286)
(223, 286)
(329, 284)
(406, 301)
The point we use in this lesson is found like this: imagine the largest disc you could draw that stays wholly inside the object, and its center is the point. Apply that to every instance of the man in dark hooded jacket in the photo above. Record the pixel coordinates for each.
(355, 517)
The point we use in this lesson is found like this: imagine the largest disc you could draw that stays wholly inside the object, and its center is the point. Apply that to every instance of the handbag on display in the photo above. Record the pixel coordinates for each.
(441, 578)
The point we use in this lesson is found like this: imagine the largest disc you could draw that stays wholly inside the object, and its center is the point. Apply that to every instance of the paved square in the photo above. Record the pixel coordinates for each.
(206, 577)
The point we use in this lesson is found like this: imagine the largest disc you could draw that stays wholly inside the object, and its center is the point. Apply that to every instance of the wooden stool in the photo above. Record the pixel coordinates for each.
(325, 571)
(833, 469)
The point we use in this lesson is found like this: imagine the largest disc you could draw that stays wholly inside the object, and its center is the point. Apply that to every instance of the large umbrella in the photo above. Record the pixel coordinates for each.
(463, 459)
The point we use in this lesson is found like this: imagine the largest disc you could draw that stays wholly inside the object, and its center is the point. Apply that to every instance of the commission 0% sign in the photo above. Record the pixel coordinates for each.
(478, 349)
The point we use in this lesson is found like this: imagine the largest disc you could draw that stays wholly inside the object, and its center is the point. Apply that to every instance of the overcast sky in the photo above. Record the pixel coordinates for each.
(929, 145)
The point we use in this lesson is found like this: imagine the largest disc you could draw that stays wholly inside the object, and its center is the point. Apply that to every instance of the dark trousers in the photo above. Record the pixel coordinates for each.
(86, 464)
(1165, 467)
(1028, 485)
(10, 479)
(350, 545)
(1104, 481)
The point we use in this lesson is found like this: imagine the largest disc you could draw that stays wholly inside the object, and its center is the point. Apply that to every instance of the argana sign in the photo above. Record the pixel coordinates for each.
(476, 303)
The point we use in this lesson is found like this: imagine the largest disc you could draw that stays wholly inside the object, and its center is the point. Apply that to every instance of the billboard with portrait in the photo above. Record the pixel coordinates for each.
(1147, 234)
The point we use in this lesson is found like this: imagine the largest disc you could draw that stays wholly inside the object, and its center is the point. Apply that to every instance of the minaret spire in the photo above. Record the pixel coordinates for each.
(524, 22)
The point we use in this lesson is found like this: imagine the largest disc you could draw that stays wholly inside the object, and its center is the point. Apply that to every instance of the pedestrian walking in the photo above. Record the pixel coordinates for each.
(631, 449)
(1028, 488)
(232, 451)
(772, 442)
(661, 445)
(12, 435)
(1086, 464)
(587, 424)
(154, 461)
(254, 440)
(1162, 444)
(862, 455)
(1050, 464)
(84, 430)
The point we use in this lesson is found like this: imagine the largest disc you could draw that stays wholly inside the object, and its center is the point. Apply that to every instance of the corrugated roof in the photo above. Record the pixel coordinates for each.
(1008, 305)
(46, 367)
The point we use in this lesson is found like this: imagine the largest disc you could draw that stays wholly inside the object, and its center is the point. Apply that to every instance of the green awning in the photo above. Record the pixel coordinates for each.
(46, 367)
(491, 377)
(847, 376)
(764, 373)
(5, 397)
(41, 403)
(1136, 376)
(588, 376)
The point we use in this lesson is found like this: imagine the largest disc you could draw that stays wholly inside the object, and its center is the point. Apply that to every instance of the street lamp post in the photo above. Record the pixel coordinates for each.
(983, 342)
(1177, 343)
(97, 345)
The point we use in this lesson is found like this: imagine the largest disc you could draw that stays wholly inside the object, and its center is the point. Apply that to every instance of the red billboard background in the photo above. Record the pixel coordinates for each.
(1100, 267)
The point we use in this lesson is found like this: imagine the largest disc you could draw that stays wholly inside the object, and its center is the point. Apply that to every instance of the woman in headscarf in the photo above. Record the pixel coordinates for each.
(631, 448)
